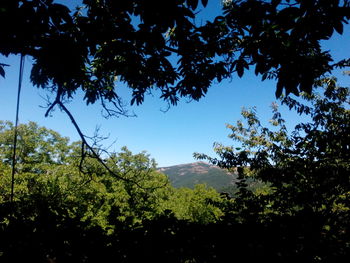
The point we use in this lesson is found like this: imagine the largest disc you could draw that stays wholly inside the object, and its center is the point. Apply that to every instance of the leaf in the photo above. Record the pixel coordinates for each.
(192, 4)
(338, 26)
(241, 64)
(240, 69)
(258, 69)
(279, 89)
(2, 72)
(264, 76)
(289, 12)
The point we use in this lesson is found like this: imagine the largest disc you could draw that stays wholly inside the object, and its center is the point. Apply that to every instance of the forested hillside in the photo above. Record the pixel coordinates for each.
(222, 180)
(188, 175)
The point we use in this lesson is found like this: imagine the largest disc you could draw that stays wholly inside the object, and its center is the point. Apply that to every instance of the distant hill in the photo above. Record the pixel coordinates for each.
(188, 175)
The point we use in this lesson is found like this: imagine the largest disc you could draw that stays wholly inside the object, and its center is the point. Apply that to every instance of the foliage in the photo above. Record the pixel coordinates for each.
(153, 44)
(50, 168)
(307, 172)
(282, 39)
(200, 204)
(37, 145)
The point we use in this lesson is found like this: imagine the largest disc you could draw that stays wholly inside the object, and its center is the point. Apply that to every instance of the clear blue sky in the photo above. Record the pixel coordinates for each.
(172, 137)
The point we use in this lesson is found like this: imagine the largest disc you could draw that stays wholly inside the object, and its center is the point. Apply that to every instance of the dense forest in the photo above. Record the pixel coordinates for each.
(68, 208)
(63, 201)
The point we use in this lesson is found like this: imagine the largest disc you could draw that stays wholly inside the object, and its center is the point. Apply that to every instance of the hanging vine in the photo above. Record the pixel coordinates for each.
(20, 78)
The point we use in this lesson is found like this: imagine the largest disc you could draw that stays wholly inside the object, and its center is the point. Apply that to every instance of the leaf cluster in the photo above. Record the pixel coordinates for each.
(153, 44)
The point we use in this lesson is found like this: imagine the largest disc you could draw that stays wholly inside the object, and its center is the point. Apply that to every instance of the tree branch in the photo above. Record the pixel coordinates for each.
(172, 49)
(91, 149)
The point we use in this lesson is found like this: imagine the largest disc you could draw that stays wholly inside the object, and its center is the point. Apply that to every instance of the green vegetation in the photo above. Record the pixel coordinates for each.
(70, 208)
(51, 168)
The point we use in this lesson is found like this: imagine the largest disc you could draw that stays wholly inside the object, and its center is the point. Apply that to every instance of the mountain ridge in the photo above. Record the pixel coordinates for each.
(190, 174)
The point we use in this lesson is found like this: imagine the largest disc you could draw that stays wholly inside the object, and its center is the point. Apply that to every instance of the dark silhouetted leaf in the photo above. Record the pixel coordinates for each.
(279, 89)
(2, 72)
(240, 69)
(338, 26)
(192, 3)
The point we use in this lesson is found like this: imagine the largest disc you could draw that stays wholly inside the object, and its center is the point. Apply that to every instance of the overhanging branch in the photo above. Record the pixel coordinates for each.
(93, 151)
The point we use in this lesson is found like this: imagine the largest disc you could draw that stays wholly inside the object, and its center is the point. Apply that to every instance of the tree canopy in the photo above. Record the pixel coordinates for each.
(50, 167)
(161, 44)
(307, 171)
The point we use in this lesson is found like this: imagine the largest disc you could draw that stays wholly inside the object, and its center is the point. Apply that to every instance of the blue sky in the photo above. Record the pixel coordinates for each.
(171, 137)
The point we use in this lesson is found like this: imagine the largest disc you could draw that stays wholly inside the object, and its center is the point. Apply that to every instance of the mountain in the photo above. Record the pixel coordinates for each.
(188, 175)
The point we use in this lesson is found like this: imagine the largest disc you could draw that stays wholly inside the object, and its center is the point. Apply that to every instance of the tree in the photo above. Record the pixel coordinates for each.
(200, 205)
(39, 150)
(51, 170)
(38, 145)
(153, 44)
(307, 172)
